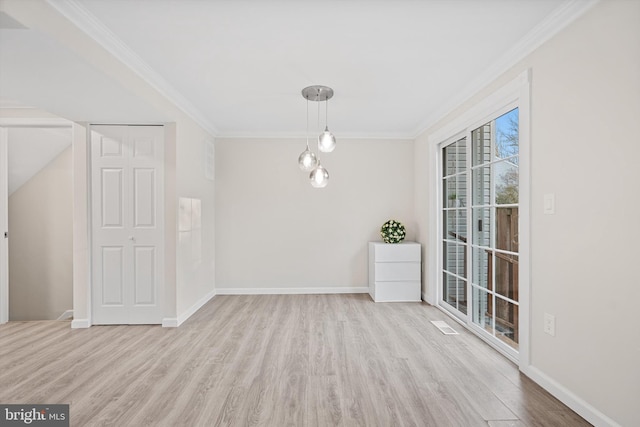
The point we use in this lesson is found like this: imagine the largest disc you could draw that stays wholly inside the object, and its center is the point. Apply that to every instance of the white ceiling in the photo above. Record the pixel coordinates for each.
(38, 71)
(239, 66)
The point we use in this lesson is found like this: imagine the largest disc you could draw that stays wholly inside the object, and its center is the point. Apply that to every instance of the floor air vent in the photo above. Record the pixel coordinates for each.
(444, 328)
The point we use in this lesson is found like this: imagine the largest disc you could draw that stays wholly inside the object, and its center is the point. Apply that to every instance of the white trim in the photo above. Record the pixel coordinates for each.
(524, 221)
(68, 314)
(80, 323)
(497, 345)
(171, 322)
(292, 291)
(424, 299)
(75, 12)
(81, 223)
(433, 261)
(294, 136)
(566, 396)
(494, 342)
(545, 30)
(96, 30)
(5, 123)
(364, 134)
(514, 94)
(4, 226)
(34, 122)
(505, 95)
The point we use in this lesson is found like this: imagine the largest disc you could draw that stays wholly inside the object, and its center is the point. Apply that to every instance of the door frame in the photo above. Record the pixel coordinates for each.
(4, 226)
(516, 91)
(5, 124)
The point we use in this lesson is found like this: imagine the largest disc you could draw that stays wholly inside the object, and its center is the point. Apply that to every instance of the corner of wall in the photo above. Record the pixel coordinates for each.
(80, 323)
(81, 256)
(182, 317)
(171, 227)
(566, 396)
(170, 322)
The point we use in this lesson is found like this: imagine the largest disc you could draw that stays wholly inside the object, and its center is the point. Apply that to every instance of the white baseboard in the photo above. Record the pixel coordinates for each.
(80, 323)
(289, 291)
(171, 322)
(425, 298)
(66, 315)
(582, 408)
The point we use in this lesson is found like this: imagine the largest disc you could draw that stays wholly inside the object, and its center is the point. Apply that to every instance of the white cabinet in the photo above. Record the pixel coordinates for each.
(394, 271)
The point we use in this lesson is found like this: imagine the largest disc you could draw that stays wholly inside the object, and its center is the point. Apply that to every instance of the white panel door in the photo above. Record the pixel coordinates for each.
(127, 224)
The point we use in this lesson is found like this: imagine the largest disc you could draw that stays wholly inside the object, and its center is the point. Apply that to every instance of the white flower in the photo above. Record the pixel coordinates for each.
(392, 231)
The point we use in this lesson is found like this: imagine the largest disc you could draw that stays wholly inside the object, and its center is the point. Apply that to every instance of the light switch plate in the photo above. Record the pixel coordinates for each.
(550, 324)
(549, 204)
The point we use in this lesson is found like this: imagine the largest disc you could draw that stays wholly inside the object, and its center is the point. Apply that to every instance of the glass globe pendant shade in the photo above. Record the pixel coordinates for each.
(326, 141)
(319, 177)
(307, 160)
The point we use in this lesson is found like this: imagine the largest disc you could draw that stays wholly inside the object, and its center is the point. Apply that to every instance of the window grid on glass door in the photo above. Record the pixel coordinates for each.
(480, 196)
(494, 175)
(454, 184)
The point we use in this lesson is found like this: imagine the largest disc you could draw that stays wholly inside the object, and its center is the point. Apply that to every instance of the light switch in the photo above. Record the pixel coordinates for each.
(550, 324)
(549, 204)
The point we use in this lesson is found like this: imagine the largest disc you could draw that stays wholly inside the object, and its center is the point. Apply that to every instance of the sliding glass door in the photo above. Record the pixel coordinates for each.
(480, 205)
(454, 219)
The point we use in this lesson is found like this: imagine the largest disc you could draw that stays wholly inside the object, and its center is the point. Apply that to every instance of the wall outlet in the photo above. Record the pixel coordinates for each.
(550, 324)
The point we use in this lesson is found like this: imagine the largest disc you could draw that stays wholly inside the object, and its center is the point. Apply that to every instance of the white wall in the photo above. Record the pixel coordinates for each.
(273, 230)
(183, 175)
(81, 253)
(40, 243)
(31, 149)
(195, 272)
(187, 285)
(585, 105)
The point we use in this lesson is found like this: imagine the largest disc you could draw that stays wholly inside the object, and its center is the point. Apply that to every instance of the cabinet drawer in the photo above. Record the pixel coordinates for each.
(396, 291)
(387, 252)
(396, 271)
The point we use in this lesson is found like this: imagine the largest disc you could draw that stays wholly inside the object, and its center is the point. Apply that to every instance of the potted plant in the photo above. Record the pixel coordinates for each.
(392, 231)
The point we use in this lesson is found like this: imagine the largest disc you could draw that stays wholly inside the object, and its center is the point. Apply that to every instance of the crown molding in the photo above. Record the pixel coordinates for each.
(302, 136)
(96, 30)
(545, 30)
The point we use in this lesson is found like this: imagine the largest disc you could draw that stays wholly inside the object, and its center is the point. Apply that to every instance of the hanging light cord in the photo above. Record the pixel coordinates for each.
(326, 114)
(318, 125)
(307, 132)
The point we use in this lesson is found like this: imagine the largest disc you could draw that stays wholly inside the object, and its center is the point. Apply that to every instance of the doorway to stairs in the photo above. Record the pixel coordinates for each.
(36, 254)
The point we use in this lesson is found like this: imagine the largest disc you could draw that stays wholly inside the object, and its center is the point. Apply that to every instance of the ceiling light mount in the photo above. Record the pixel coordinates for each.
(317, 93)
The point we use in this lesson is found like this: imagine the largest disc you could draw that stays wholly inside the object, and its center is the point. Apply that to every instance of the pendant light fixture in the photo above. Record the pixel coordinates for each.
(308, 160)
(326, 140)
(319, 176)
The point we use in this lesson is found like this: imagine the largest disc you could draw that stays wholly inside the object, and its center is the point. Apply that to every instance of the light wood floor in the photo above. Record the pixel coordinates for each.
(275, 360)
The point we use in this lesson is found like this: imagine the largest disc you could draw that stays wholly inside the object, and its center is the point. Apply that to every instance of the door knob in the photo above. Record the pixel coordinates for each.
(133, 239)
